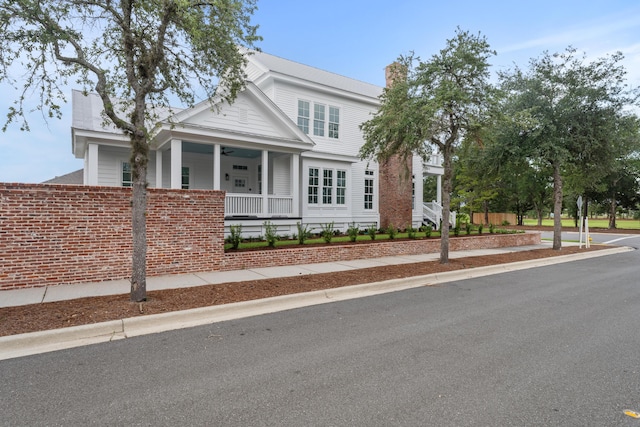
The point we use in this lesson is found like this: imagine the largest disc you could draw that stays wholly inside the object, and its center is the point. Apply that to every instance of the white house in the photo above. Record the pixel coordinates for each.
(285, 151)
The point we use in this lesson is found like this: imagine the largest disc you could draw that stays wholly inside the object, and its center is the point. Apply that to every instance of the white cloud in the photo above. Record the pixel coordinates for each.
(607, 31)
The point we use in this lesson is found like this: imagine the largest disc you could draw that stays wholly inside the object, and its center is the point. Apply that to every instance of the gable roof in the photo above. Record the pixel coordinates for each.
(266, 65)
(71, 178)
(269, 124)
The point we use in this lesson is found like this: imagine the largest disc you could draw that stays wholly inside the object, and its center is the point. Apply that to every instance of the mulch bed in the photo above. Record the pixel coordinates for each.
(54, 315)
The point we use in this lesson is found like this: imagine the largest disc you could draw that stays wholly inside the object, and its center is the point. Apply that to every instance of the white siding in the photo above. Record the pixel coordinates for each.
(280, 180)
(200, 170)
(352, 115)
(315, 214)
(110, 161)
(361, 216)
(244, 114)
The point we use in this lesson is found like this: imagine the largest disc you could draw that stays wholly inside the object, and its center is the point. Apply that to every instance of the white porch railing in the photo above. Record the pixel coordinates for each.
(434, 160)
(432, 212)
(280, 205)
(243, 204)
(251, 205)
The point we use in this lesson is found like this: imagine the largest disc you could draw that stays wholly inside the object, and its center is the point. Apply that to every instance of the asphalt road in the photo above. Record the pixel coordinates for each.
(632, 240)
(550, 346)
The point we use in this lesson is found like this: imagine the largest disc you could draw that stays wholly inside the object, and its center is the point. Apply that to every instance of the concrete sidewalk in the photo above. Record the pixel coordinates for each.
(15, 297)
(45, 341)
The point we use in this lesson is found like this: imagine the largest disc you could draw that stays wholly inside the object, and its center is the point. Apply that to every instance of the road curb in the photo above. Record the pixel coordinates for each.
(58, 339)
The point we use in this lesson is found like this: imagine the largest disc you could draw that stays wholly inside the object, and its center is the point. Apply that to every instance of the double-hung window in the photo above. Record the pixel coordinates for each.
(368, 189)
(314, 174)
(327, 186)
(185, 178)
(333, 187)
(325, 123)
(126, 175)
(341, 187)
(318, 119)
(334, 122)
(303, 116)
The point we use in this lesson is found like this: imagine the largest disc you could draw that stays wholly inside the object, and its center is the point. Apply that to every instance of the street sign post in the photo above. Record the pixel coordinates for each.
(579, 203)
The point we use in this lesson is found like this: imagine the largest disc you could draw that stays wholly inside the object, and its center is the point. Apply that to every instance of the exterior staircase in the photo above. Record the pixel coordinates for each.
(432, 214)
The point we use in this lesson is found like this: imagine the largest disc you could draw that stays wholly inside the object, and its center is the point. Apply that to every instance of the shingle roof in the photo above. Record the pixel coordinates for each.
(315, 75)
(72, 178)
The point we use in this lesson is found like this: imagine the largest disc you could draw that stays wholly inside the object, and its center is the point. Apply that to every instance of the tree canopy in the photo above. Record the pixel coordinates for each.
(435, 103)
(136, 55)
(561, 109)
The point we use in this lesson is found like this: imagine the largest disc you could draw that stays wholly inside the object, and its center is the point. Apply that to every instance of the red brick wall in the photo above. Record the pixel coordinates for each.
(57, 234)
(395, 189)
(337, 252)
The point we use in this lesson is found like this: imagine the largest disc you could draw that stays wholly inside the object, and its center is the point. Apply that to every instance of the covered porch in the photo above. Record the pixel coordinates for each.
(259, 182)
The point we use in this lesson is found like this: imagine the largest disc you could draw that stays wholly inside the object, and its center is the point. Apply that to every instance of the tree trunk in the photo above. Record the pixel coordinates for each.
(557, 207)
(612, 211)
(486, 212)
(139, 219)
(539, 214)
(446, 204)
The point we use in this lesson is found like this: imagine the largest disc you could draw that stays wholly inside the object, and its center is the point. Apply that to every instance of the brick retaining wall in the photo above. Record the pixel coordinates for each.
(344, 252)
(60, 234)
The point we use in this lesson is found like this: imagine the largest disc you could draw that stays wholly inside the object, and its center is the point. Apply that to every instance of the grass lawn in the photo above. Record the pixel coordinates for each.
(365, 238)
(625, 224)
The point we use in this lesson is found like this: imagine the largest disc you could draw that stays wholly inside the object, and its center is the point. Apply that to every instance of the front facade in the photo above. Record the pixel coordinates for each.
(286, 151)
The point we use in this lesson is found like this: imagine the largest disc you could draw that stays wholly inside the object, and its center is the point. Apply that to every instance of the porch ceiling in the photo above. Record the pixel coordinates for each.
(245, 153)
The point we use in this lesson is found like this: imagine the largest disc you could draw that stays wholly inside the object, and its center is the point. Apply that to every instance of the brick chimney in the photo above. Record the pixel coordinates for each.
(395, 184)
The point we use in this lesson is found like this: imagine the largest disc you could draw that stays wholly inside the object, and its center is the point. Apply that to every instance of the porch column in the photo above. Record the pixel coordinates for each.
(439, 189)
(216, 167)
(91, 165)
(295, 184)
(176, 164)
(158, 169)
(265, 183)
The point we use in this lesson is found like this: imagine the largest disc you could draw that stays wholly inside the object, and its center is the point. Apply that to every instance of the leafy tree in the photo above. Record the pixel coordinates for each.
(558, 109)
(438, 103)
(429, 188)
(134, 55)
(619, 182)
(476, 181)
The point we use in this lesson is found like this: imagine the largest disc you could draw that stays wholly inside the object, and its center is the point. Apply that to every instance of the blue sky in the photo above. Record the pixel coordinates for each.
(358, 38)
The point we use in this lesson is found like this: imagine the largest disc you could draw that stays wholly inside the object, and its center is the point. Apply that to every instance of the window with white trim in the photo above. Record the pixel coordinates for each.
(413, 192)
(327, 186)
(318, 119)
(314, 174)
(303, 116)
(368, 189)
(321, 126)
(333, 186)
(126, 174)
(334, 122)
(341, 187)
(185, 178)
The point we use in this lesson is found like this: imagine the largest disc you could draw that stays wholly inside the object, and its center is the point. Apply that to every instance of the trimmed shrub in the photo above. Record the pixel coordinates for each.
(303, 232)
(392, 231)
(353, 231)
(270, 233)
(371, 231)
(327, 231)
(235, 236)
